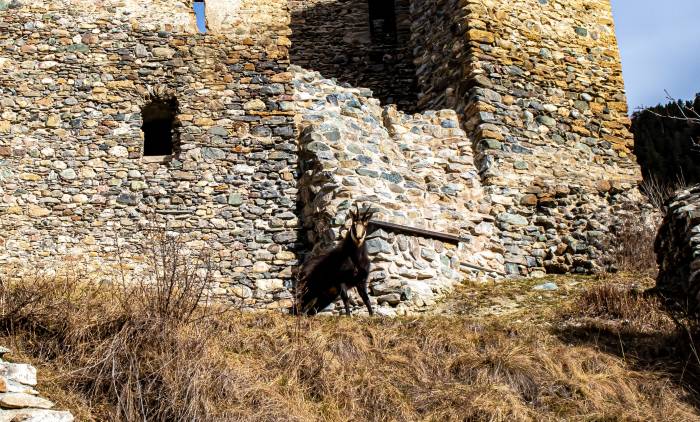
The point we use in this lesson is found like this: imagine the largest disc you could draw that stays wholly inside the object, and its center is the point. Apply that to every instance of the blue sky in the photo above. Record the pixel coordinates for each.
(199, 11)
(660, 47)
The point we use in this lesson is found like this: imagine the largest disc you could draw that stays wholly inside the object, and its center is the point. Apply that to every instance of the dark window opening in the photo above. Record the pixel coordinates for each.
(159, 127)
(200, 13)
(382, 21)
(376, 57)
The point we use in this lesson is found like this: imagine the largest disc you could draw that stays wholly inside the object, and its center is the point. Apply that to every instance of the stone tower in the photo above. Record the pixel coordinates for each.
(538, 87)
(116, 113)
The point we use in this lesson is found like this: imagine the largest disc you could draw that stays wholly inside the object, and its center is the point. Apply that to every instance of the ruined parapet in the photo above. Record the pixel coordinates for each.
(678, 253)
(251, 22)
(151, 15)
(255, 21)
(415, 170)
(85, 90)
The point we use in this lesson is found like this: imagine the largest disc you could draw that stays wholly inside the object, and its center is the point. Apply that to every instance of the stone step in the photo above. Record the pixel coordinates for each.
(19, 372)
(35, 415)
(20, 400)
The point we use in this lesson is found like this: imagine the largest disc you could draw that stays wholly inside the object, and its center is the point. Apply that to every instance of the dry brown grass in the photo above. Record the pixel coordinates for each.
(620, 318)
(125, 363)
(631, 245)
(612, 301)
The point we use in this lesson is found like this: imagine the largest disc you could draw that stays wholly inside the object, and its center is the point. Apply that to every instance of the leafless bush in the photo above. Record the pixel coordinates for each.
(658, 193)
(178, 280)
(631, 244)
(144, 347)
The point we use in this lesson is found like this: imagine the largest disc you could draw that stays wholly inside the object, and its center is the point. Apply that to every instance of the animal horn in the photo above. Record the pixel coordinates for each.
(368, 213)
(352, 214)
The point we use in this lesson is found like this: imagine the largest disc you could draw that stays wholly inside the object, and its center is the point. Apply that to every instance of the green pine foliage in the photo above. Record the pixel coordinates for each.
(666, 144)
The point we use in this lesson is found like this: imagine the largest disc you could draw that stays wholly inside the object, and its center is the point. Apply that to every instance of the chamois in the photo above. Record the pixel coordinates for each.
(323, 278)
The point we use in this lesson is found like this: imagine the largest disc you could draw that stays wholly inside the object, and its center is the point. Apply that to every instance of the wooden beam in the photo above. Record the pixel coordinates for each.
(400, 228)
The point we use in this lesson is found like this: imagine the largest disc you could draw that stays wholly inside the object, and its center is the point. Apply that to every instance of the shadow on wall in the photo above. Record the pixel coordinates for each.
(359, 43)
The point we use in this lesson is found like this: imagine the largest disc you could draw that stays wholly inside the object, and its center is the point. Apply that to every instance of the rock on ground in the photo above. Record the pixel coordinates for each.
(19, 401)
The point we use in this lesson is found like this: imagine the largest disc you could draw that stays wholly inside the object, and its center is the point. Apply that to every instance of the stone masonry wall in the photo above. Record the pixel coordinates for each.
(548, 117)
(415, 170)
(678, 252)
(538, 88)
(73, 80)
(333, 37)
(531, 164)
(438, 39)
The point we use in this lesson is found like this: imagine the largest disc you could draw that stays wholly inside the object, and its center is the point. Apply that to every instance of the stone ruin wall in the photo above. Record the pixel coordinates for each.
(537, 86)
(535, 151)
(542, 98)
(678, 252)
(333, 37)
(74, 76)
(414, 170)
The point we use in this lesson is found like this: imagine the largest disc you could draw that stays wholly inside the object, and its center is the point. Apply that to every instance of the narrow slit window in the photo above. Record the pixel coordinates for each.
(382, 21)
(200, 13)
(159, 127)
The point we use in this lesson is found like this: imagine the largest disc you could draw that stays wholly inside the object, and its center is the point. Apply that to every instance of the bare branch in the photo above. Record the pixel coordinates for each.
(688, 113)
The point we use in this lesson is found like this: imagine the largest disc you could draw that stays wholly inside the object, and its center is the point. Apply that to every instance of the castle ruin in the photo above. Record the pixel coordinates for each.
(500, 123)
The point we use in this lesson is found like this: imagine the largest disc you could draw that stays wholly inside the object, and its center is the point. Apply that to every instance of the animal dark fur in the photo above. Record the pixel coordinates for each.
(325, 277)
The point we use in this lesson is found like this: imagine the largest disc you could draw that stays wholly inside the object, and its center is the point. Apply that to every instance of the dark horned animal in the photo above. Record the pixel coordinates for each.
(331, 274)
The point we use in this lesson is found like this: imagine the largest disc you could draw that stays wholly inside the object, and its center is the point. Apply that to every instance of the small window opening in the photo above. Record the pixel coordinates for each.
(382, 21)
(200, 13)
(159, 127)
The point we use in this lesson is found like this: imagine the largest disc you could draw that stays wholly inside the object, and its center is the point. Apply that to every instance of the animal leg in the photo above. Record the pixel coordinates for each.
(362, 290)
(346, 299)
(308, 309)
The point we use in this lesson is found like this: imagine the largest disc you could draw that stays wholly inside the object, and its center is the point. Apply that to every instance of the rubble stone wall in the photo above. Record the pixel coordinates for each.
(73, 81)
(678, 252)
(414, 170)
(440, 53)
(528, 158)
(334, 38)
(537, 86)
(548, 117)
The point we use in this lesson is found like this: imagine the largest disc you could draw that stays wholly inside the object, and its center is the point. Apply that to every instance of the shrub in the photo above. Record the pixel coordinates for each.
(145, 346)
(631, 244)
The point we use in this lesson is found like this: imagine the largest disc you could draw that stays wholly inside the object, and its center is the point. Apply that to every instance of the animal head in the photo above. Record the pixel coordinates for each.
(360, 224)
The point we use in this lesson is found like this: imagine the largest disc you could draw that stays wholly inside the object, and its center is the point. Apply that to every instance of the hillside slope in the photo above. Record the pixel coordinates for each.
(589, 350)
